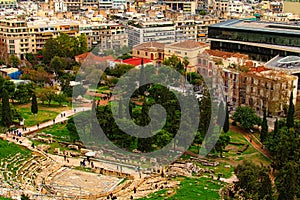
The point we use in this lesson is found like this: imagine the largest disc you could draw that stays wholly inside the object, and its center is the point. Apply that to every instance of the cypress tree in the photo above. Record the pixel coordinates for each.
(290, 114)
(264, 127)
(276, 127)
(34, 105)
(6, 112)
(221, 114)
(226, 122)
(120, 109)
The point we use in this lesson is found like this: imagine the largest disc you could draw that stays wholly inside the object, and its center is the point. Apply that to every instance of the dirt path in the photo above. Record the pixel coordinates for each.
(253, 141)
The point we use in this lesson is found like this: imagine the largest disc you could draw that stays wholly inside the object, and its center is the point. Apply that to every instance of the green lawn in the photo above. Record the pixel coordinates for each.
(61, 131)
(45, 113)
(9, 158)
(3, 198)
(192, 189)
(8, 149)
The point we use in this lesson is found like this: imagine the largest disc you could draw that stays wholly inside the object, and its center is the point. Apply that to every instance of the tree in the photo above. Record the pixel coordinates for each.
(276, 126)
(221, 114)
(51, 49)
(253, 181)
(34, 105)
(60, 98)
(246, 117)
(288, 181)
(30, 58)
(56, 64)
(79, 90)
(23, 93)
(290, 114)
(222, 142)
(264, 127)
(14, 61)
(226, 122)
(6, 112)
(120, 109)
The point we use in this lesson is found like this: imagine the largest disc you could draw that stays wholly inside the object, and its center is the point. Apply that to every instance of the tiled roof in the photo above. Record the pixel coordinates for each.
(225, 54)
(188, 44)
(134, 61)
(149, 45)
(93, 57)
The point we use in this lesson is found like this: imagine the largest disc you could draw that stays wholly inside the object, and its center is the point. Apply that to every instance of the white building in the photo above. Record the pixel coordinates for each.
(154, 31)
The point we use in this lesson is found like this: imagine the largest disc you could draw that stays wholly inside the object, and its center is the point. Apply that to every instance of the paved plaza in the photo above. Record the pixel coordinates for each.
(75, 183)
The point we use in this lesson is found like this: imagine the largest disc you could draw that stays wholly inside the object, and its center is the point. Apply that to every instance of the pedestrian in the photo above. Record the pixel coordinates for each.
(32, 145)
(64, 114)
(65, 157)
(134, 190)
(74, 110)
(61, 115)
(53, 121)
(38, 126)
(68, 161)
(92, 165)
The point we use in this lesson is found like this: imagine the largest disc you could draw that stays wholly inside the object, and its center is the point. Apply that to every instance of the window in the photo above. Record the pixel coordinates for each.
(11, 41)
(138, 52)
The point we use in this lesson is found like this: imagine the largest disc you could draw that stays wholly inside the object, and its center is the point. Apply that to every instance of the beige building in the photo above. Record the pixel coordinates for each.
(105, 35)
(187, 49)
(291, 6)
(41, 31)
(243, 83)
(149, 50)
(14, 34)
(8, 3)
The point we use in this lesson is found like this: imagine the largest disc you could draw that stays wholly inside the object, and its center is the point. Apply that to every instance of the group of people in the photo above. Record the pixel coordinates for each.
(83, 164)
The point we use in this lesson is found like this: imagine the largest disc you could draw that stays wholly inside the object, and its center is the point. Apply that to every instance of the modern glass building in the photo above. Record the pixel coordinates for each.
(260, 40)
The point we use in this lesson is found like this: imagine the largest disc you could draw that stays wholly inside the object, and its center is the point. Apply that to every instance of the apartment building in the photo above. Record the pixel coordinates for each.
(152, 31)
(20, 37)
(41, 30)
(8, 4)
(105, 35)
(73, 5)
(187, 6)
(245, 83)
(14, 34)
(219, 70)
(221, 6)
(259, 89)
(185, 30)
(202, 27)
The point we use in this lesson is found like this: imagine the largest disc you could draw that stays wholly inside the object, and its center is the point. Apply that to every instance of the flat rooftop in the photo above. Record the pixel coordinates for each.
(288, 64)
(260, 26)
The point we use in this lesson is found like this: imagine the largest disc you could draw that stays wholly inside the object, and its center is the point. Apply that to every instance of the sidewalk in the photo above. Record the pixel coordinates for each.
(63, 116)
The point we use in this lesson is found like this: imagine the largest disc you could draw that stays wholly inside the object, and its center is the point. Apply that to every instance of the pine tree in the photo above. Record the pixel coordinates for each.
(6, 112)
(290, 114)
(34, 105)
(226, 122)
(264, 127)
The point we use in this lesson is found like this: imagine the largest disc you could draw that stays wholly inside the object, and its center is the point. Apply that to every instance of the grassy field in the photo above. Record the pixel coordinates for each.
(61, 131)
(8, 149)
(3, 198)
(44, 114)
(11, 158)
(192, 189)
